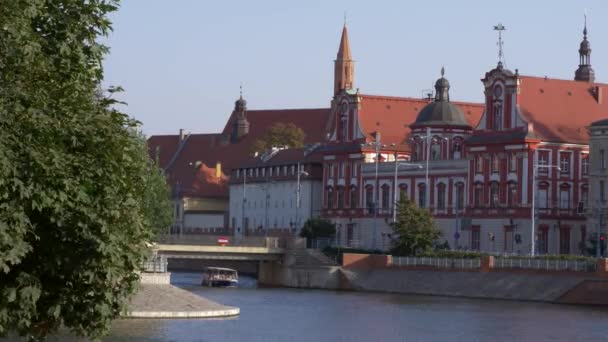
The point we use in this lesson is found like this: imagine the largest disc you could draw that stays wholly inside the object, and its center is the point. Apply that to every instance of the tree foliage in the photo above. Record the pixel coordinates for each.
(279, 135)
(73, 174)
(317, 227)
(414, 229)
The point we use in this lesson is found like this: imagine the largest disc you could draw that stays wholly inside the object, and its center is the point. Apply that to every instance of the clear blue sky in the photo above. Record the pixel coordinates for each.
(181, 62)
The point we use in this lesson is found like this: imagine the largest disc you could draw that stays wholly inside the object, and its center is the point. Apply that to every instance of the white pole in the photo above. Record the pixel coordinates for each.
(395, 191)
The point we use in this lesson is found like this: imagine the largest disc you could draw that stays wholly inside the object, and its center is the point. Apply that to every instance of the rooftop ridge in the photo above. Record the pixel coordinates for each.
(563, 80)
(425, 100)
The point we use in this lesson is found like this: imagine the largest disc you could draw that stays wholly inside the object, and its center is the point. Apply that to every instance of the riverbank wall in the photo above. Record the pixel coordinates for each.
(375, 273)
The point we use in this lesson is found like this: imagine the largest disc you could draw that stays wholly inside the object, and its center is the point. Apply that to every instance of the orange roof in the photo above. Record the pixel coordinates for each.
(561, 109)
(391, 116)
(190, 166)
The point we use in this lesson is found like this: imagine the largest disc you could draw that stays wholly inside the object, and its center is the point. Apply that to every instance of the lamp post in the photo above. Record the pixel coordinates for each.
(397, 164)
(534, 172)
(299, 172)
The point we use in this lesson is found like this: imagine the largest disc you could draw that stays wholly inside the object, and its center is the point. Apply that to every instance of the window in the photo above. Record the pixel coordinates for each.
(353, 197)
(263, 171)
(330, 171)
(564, 197)
(435, 151)
(543, 240)
(250, 172)
(330, 197)
(543, 193)
(354, 170)
(293, 170)
(478, 195)
(238, 173)
(340, 197)
(498, 116)
(422, 195)
(341, 170)
(459, 196)
(441, 196)
(475, 238)
(494, 199)
(495, 164)
(602, 159)
(457, 150)
(513, 162)
(585, 164)
(564, 162)
(602, 191)
(479, 164)
(511, 194)
(270, 172)
(564, 241)
(285, 170)
(403, 192)
(257, 172)
(385, 196)
(543, 159)
(584, 195)
(369, 198)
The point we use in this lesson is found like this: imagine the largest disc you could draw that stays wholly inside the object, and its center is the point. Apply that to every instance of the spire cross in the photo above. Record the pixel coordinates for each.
(241, 89)
(344, 18)
(500, 28)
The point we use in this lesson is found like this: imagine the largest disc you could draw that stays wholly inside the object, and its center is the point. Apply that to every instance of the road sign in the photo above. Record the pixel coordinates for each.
(222, 241)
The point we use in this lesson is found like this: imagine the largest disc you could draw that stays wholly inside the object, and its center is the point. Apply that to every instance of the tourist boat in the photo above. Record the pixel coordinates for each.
(219, 277)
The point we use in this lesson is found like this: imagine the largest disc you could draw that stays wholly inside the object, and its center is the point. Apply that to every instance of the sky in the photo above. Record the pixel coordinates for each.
(182, 62)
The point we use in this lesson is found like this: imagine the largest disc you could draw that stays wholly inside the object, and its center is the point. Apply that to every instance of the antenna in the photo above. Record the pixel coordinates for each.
(500, 28)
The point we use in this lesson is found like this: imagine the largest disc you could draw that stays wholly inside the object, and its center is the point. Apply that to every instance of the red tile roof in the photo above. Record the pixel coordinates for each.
(190, 166)
(391, 116)
(561, 109)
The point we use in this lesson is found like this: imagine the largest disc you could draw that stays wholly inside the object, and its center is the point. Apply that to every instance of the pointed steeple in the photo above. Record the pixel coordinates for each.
(344, 71)
(585, 71)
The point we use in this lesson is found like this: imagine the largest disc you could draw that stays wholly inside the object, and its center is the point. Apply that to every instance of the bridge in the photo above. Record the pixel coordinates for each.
(248, 248)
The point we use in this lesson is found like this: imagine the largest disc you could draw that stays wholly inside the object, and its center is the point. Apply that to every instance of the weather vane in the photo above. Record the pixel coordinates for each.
(241, 89)
(500, 28)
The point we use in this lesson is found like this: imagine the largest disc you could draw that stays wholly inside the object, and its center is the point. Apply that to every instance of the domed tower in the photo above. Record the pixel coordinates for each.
(584, 72)
(440, 127)
(240, 126)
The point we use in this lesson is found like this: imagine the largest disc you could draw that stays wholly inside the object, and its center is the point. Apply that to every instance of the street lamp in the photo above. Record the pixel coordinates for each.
(534, 172)
(299, 172)
(397, 164)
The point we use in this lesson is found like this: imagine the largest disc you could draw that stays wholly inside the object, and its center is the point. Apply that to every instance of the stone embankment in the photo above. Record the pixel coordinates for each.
(157, 298)
(375, 273)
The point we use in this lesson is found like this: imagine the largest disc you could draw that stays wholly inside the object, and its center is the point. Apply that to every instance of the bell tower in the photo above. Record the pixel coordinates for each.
(585, 71)
(240, 126)
(344, 68)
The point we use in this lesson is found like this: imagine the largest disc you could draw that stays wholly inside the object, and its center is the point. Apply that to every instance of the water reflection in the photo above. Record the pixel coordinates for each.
(273, 314)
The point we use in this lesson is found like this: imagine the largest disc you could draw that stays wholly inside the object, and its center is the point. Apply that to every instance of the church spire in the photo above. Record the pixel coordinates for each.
(344, 71)
(240, 125)
(585, 71)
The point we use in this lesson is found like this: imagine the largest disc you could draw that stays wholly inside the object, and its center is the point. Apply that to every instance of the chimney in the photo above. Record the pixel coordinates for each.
(597, 93)
(181, 134)
(218, 169)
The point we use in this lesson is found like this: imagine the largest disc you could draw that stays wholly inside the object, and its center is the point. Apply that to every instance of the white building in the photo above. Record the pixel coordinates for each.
(264, 192)
(598, 178)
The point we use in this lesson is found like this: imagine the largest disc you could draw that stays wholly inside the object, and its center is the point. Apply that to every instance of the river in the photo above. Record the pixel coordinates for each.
(277, 314)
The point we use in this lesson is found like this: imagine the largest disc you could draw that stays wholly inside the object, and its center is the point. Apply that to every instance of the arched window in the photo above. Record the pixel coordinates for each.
(457, 149)
(441, 196)
(330, 197)
(511, 194)
(459, 196)
(436, 151)
(353, 197)
(494, 194)
(584, 195)
(385, 196)
(369, 197)
(422, 195)
(478, 195)
(498, 116)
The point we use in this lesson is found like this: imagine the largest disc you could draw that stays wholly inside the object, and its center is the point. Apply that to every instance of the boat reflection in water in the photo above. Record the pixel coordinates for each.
(220, 277)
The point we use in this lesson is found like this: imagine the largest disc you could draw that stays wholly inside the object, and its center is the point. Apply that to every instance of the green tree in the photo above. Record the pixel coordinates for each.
(74, 174)
(317, 227)
(414, 229)
(279, 135)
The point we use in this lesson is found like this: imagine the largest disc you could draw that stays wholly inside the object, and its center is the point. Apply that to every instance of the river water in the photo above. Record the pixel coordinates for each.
(276, 314)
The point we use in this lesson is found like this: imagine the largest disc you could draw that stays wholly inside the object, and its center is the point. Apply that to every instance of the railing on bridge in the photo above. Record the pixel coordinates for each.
(457, 263)
(213, 240)
(156, 264)
(545, 264)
